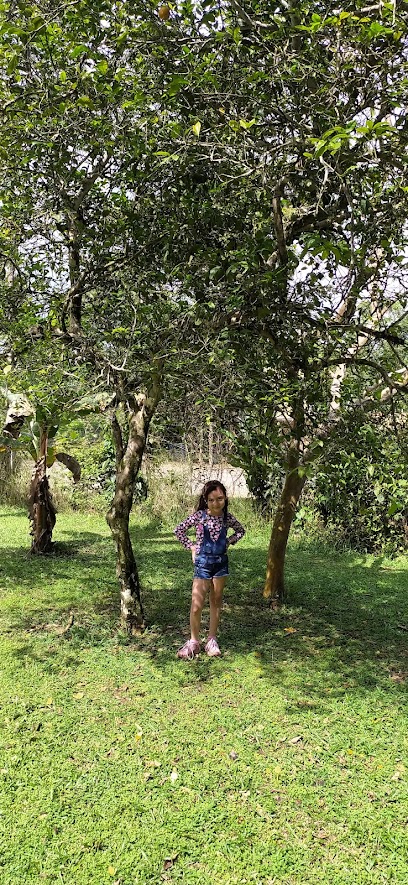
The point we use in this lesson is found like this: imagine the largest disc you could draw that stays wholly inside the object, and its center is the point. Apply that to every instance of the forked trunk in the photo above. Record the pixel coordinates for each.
(274, 589)
(42, 512)
(128, 461)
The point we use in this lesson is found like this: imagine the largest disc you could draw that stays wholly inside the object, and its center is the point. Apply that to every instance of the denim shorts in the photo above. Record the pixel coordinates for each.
(211, 566)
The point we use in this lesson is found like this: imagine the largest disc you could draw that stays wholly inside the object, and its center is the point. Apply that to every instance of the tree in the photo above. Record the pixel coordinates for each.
(235, 169)
(39, 441)
(310, 280)
(87, 244)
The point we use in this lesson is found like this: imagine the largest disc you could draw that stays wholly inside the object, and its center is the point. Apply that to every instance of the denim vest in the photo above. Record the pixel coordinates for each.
(213, 550)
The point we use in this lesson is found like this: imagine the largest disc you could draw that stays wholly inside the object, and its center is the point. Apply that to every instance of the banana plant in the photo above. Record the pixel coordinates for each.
(33, 430)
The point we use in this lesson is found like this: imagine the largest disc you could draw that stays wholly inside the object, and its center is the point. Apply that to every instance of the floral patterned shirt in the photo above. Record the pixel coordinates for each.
(214, 525)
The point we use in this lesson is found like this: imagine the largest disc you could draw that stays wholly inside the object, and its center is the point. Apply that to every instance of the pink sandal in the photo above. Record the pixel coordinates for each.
(189, 650)
(212, 648)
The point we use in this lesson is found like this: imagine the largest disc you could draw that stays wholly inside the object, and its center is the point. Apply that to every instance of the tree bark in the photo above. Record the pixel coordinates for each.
(274, 589)
(41, 508)
(128, 460)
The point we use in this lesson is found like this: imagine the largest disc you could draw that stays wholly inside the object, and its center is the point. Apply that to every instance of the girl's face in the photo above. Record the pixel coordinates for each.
(216, 502)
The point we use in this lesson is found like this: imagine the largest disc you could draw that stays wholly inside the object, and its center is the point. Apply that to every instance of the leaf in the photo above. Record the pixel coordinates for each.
(289, 630)
(112, 870)
(50, 457)
(78, 695)
(196, 128)
(176, 83)
(174, 776)
(393, 508)
(71, 464)
(78, 50)
(169, 861)
(7, 370)
(246, 124)
(296, 739)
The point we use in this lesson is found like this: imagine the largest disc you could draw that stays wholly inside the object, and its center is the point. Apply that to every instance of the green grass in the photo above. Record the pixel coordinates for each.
(285, 761)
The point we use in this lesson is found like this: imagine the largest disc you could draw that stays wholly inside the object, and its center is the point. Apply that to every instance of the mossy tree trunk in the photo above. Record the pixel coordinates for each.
(274, 589)
(128, 461)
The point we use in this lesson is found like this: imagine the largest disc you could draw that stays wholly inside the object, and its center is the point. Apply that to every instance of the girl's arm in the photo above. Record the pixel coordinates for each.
(239, 530)
(181, 530)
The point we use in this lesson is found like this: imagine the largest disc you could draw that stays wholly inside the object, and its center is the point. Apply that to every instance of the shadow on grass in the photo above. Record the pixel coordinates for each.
(340, 620)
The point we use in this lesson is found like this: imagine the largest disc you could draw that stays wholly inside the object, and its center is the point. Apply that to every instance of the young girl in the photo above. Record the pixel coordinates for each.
(209, 553)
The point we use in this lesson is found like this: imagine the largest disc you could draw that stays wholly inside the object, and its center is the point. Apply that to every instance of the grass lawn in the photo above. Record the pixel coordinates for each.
(285, 761)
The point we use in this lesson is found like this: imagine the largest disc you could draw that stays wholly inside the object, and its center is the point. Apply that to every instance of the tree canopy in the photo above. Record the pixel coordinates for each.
(225, 183)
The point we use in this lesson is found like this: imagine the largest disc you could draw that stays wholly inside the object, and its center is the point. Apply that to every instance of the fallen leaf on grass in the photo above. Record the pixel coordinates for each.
(296, 739)
(169, 861)
(322, 835)
(174, 775)
(233, 755)
(78, 695)
(289, 630)
(112, 870)
(398, 774)
(123, 689)
(398, 676)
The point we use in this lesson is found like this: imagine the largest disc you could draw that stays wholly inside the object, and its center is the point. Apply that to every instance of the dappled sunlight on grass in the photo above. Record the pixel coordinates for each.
(283, 761)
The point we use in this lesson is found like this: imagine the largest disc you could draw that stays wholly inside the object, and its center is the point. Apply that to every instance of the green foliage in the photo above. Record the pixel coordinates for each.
(362, 488)
(224, 183)
(98, 471)
(254, 451)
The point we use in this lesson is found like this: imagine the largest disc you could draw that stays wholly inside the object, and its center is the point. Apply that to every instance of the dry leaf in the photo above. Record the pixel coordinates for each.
(112, 871)
(174, 775)
(78, 695)
(295, 740)
(169, 861)
(289, 630)
(233, 755)
(322, 835)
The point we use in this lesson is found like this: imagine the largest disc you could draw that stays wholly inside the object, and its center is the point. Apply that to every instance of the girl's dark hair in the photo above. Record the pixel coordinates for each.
(209, 487)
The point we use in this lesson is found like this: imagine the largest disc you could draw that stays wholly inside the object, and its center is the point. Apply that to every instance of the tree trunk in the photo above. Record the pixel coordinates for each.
(128, 461)
(292, 489)
(42, 512)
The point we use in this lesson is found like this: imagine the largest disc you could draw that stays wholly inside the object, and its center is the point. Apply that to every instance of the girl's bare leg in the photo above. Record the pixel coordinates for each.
(199, 592)
(216, 591)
